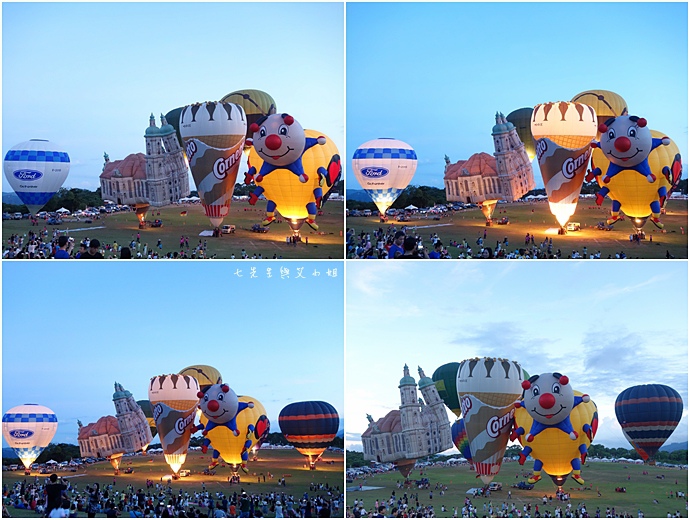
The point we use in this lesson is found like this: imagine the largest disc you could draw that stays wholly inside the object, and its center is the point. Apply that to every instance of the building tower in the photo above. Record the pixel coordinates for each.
(176, 167)
(155, 172)
(512, 163)
(410, 416)
(440, 434)
(133, 424)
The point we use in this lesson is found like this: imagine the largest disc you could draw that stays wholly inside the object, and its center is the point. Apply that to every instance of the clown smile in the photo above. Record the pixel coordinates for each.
(550, 415)
(275, 157)
(625, 158)
(216, 416)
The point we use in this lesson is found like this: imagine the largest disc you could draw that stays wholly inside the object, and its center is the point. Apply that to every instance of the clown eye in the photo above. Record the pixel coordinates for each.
(612, 133)
(535, 391)
(632, 132)
(262, 131)
(220, 397)
(283, 130)
(556, 388)
(206, 398)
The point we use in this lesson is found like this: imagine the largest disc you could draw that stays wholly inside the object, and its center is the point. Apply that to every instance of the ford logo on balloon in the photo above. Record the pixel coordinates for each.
(21, 434)
(374, 172)
(27, 175)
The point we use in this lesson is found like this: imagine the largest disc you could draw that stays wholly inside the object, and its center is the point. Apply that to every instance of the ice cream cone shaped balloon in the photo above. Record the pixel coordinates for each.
(174, 401)
(563, 131)
(28, 429)
(213, 135)
(384, 167)
(487, 391)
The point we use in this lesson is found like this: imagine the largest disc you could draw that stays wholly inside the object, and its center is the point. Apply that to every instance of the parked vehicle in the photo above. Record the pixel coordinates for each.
(227, 229)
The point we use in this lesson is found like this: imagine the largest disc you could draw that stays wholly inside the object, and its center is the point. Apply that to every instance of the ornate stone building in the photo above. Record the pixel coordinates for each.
(507, 175)
(100, 439)
(134, 427)
(159, 177)
(420, 426)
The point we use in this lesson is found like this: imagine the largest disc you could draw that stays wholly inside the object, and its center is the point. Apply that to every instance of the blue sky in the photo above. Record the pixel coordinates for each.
(86, 76)
(434, 74)
(71, 331)
(605, 325)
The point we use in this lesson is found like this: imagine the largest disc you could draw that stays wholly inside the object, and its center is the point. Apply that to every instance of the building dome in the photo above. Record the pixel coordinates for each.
(104, 426)
(424, 381)
(407, 378)
(152, 130)
(120, 392)
(166, 128)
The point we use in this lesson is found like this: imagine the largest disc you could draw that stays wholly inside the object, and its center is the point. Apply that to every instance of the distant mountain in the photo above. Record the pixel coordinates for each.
(358, 195)
(675, 446)
(11, 198)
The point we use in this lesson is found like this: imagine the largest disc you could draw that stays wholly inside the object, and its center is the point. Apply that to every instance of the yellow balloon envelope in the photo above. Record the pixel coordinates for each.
(284, 188)
(632, 190)
(607, 104)
(206, 375)
(230, 446)
(553, 446)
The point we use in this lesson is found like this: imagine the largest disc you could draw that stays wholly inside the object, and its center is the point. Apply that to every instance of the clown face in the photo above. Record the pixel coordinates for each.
(279, 139)
(626, 140)
(219, 404)
(549, 398)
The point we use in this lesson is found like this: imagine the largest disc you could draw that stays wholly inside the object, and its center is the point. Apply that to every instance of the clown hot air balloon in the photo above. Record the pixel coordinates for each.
(253, 426)
(310, 426)
(384, 168)
(298, 202)
(487, 390)
(445, 378)
(213, 135)
(256, 104)
(174, 401)
(563, 132)
(556, 425)
(28, 429)
(521, 119)
(648, 415)
(36, 170)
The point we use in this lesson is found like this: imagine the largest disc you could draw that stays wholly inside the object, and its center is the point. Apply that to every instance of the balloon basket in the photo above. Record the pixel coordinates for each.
(489, 223)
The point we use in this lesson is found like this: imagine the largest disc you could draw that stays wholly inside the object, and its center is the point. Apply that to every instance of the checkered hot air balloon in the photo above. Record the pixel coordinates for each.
(384, 167)
(36, 170)
(28, 429)
(310, 426)
(648, 415)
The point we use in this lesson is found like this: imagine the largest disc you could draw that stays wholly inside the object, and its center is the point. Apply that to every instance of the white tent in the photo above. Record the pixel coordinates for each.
(411, 207)
(63, 211)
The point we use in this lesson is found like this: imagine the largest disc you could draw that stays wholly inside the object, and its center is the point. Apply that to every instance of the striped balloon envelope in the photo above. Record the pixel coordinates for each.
(648, 414)
(460, 439)
(28, 429)
(310, 426)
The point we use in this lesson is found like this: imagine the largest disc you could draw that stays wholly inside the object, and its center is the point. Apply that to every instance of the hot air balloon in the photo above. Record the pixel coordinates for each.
(310, 426)
(521, 119)
(148, 413)
(115, 459)
(173, 119)
(605, 103)
(174, 401)
(631, 193)
(28, 429)
(297, 201)
(140, 209)
(255, 103)
(648, 414)
(557, 441)
(384, 168)
(206, 375)
(36, 170)
(253, 425)
(213, 135)
(488, 207)
(462, 443)
(445, 378)
(563, 132)
(487, 390)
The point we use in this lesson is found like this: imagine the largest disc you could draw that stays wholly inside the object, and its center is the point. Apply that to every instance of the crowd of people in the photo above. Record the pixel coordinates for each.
(42, 244)
(54, 498)
(409, 243)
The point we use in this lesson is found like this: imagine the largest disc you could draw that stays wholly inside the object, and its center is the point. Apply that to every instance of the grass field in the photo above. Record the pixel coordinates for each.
(642, 490)
(536, 219)
(123, 227)
(288, 464)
